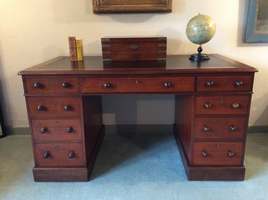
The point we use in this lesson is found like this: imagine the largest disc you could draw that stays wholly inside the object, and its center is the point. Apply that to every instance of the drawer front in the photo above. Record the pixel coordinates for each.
(211, 154)
(52, 107)
(137, 85)
(220, 128)
(56, 130)
(224, 83)
(51, 85)
(59, 155)
(222, 104)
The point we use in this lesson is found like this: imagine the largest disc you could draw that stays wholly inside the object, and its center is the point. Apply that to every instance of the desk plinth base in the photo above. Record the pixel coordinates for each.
(60, 174)
(209, 173)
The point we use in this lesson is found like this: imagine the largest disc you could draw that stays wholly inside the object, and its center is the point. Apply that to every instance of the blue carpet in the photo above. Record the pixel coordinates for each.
(131, 167)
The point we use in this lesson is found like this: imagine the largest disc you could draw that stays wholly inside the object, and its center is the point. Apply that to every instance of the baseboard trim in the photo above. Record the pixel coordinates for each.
(258, 129)
(145, 128)
(142, 128)
(18, 131)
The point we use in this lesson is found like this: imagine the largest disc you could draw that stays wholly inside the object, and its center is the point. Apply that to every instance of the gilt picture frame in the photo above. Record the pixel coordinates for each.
(257, 22)
(132, 6)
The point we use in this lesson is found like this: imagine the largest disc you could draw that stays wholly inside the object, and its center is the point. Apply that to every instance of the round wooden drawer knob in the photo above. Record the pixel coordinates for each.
(233, 128)
(71, 155)
(66, 85)
(43, 130)
(107, 85)
(41, 108)
(70, 129)
(238, 83)
(210, 83)
(167, 84)
(207, 105)
(46, 155)
(68, 108)
(37, 85)
(231, 154)
(236, 106)
(206, 129)
(204, 154)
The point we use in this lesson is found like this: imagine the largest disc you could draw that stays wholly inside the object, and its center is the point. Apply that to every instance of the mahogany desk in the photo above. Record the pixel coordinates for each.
(212, 111)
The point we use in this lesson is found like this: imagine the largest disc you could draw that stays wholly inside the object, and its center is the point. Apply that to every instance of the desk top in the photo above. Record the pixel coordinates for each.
(175, 64)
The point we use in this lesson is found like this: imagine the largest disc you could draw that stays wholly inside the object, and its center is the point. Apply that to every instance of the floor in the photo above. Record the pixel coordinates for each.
(131, 168)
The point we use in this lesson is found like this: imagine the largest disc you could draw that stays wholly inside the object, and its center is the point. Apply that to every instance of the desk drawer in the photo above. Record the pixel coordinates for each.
(211, 154)
(224, 83)
(137, 85)
(56, 130)
(59, 155)
(222, 104)
(220, 128)
(52, 107)
(51, 85)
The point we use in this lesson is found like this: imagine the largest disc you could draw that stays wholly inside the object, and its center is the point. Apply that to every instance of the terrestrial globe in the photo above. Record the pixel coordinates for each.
(200, 30)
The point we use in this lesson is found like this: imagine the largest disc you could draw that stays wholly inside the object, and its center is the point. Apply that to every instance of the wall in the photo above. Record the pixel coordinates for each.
(33, 31)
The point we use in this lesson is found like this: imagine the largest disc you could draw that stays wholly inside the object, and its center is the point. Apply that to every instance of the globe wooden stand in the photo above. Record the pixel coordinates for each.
(199, 57)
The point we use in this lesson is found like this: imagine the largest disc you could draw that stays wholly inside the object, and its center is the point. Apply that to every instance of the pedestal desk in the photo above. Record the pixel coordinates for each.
(211, 115)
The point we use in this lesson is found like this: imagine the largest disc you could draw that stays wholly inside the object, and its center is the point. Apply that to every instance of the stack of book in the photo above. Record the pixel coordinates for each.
(76, 49)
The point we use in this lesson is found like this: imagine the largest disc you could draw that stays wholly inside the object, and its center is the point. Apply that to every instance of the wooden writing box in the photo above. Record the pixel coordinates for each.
(134, 49)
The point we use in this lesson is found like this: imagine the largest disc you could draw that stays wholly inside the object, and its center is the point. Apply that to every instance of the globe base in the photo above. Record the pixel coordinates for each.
(199, 57)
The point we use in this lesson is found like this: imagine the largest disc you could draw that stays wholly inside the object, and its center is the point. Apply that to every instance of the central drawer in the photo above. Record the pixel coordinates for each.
(137, 85)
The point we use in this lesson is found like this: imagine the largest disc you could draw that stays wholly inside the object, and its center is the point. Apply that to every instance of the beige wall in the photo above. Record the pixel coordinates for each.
(32, 31)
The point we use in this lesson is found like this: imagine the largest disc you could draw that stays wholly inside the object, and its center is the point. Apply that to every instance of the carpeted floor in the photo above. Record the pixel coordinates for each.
(131, 168)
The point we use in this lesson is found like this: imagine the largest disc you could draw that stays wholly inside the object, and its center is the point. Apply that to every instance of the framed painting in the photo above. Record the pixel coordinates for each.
(257, 22)
(131, 6)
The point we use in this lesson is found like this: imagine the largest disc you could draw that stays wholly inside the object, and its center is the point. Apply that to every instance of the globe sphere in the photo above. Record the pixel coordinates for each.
(201, 29)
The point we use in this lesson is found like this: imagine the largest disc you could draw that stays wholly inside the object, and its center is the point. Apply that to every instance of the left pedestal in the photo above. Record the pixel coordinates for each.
(66, 128)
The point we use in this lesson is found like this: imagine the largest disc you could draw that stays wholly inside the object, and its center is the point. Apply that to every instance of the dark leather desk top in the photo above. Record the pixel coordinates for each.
(175, 64)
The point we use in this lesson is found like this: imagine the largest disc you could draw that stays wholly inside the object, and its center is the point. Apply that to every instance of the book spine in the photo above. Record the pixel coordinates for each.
(73, 49)
(79, 50)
